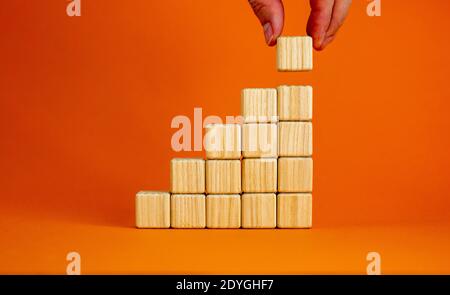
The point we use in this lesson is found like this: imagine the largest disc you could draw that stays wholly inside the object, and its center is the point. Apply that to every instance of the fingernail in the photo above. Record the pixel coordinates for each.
(268, 33)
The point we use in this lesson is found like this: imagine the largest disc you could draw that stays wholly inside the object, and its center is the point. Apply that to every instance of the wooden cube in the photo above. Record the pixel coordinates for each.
(188, 211)
(223, 211)
(152, 209)
(259, 210)
(295, 175)
(295, 103)
(223, 176)
(295, 53)
(294, 210)
(295, 139)
(187, 176)
(260, 140)
(259, 175)
(223, 141)
(259, 105)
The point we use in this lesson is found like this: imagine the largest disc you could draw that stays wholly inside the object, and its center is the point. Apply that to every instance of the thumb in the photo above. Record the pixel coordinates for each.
(271, 16)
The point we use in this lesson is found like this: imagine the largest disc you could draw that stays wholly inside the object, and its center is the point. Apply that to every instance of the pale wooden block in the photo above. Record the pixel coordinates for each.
(152, 209)
(294, 210)
(223, 176)
(295, 103)
(187, 176)
(295, 175)
(259, 175)
(295, 53)
(188, 211)
(259, 210)
(223, 141)
(259, 140)
(223, 211)
(259, 105)
(295, 139)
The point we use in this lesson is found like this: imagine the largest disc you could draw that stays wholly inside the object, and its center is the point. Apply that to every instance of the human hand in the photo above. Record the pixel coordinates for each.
(325, 19)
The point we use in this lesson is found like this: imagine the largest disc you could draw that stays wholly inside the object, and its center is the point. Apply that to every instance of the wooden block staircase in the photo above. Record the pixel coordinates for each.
(256, 175)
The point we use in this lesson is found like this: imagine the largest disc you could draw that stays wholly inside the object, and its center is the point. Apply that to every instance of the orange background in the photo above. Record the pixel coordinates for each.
(86, 107)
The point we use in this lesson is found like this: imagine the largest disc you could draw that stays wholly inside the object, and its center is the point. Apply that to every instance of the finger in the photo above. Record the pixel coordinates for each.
(340, 12)
(327, 41)
(319, 20)
(271, 16)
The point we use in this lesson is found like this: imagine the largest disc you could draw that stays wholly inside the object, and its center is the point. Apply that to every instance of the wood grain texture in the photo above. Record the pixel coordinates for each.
(295, 175)
(259, 210)
(152, 209)
(294, 210)
(188, 211)
(295, 139)
(187, 176)
(223, 176)
(259, 175)
(294, 53)
(295, 103)
(259, 105)
(223, 211)
(259, 140)
(223, 141)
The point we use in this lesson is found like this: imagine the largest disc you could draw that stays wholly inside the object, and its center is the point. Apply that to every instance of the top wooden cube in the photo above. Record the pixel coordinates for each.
(187, 176)
(259, 105)
(294, 54)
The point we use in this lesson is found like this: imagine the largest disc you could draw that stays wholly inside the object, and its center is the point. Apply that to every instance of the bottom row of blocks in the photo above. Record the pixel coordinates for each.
(262, 210)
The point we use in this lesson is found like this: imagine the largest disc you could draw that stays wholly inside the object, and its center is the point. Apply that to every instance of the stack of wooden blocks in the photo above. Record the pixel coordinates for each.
(256, 175)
